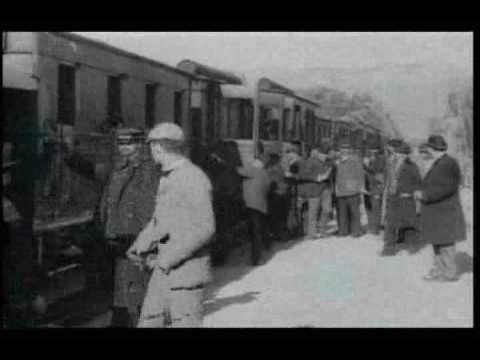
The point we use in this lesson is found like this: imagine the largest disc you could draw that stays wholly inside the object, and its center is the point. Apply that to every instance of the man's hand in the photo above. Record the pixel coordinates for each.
(418, 195)
(134, 257)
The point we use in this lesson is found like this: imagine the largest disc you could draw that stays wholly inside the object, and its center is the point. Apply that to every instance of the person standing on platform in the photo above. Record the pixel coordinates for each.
(349, 184)
(256, 187)
(176, 242)
(390, 159)
(126, 205)
(279, 201)
(442, 220)
(374, 165)
(402, 213)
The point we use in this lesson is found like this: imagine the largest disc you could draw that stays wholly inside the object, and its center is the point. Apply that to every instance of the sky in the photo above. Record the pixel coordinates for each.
(237, 51)
(412, 98)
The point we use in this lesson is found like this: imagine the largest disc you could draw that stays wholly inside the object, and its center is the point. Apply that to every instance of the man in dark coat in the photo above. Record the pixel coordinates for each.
(374, 165)
(401, 212)
(442, 220)
(126, 205)
(349, 183)
(278, 202)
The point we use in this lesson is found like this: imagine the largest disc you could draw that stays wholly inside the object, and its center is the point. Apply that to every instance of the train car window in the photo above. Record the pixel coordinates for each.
(178, 107)
(66, 94)
(4, 40)
(114, 96)
(246, 121)
(150, 105)
(286, 124)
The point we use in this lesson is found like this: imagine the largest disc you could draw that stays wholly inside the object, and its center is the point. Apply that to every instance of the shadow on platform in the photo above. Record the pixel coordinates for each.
(218, 303)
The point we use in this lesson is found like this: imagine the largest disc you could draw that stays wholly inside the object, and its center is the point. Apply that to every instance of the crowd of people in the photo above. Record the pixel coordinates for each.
(157, 212)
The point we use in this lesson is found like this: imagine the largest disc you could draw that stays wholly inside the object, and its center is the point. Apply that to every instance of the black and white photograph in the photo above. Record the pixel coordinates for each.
(243, 179)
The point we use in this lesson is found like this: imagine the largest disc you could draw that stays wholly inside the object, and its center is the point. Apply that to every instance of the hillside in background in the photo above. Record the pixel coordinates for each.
(413, 94)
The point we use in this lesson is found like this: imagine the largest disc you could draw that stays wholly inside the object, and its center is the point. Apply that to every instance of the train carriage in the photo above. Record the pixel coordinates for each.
(63, 92)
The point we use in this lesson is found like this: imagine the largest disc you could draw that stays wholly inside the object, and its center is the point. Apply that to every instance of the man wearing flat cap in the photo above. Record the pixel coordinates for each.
(442, 220)
(401, 211)
(180, 232)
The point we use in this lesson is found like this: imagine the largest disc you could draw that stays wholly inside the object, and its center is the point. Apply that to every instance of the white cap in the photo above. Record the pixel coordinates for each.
(166, 130)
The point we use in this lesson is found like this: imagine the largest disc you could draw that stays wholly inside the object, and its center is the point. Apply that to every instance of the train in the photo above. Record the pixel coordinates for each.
(62, 90)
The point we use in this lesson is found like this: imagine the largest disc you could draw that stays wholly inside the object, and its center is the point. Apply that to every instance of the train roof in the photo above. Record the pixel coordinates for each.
(208, 72)
(118, 51)
(247, 90)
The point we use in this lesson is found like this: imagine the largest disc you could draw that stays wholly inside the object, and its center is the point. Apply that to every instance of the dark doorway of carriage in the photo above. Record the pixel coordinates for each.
(150, 105)
(66, 95)
(19, 280)
(177, 115)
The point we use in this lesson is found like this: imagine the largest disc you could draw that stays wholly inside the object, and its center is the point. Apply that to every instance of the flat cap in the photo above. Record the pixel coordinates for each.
(166, 130)
(437, 142)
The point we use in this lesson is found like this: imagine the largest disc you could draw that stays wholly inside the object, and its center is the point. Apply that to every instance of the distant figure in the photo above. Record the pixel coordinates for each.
(401, 214)
(126, 206)
(175, 243)
(279, 201)
(256, 187)
(312, 177)
(374, 165)
(349, 184)
(390, 159)
(442, 221)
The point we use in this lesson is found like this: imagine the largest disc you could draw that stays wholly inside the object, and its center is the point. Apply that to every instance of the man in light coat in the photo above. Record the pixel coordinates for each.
(442, 220)
(180, 232)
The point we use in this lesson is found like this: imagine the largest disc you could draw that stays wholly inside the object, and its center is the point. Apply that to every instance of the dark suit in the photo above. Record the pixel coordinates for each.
(442, 221)
(401, 215)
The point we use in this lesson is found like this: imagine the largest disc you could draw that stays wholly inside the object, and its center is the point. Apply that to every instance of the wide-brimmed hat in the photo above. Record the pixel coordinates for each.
(166, 131)
(437, 142)
(127, 136)
(7, 161)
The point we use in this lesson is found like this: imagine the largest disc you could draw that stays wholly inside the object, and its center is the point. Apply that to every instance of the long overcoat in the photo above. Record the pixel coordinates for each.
(442, 219)
(401, 210)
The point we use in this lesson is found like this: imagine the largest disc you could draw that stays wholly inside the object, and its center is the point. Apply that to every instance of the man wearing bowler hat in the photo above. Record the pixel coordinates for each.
(442, 220)
(401, 212)
(349, 183)
(175, 244)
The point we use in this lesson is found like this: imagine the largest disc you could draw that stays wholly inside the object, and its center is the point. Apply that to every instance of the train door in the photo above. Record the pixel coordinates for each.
(19, 127)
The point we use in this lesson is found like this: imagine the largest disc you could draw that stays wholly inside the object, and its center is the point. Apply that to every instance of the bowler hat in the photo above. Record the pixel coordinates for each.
(127, 136)
(168, 131)
(403, 148)
(437, 142)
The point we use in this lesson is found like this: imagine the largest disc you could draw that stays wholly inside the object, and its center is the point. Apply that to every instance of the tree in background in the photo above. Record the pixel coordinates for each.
(456, 125)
